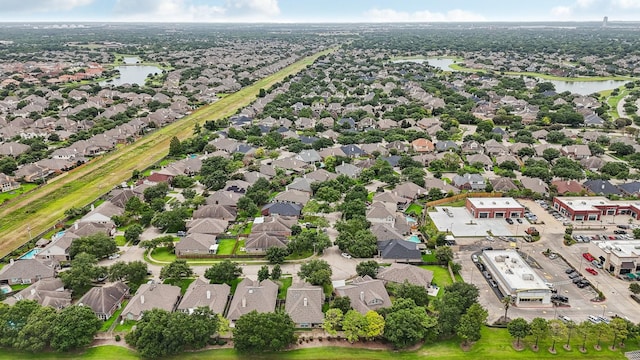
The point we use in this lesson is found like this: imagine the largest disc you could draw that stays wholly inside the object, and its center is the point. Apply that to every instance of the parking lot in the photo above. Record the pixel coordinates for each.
(618, 300)
(459, 221)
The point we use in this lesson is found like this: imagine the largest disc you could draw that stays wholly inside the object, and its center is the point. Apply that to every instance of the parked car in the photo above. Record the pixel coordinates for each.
(574, 275)
(591, 271)
(560, 298)
(486, 274)
(509, 221)
(346, 256)
(619, 232)
(519, 220)
(493, 283)
(594, 319)
(569, 271)
(623, 227)
(564, 318)
(474, 257)
(597, 264)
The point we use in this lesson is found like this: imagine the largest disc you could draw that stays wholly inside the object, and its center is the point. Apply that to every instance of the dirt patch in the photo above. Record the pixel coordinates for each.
(518, 346)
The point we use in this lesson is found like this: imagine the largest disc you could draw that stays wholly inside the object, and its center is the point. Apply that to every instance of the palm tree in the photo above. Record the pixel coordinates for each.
(506, 303)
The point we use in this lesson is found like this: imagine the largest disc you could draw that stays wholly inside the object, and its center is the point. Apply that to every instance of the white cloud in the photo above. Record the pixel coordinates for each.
(626, 4)
(561, 11)
(584, 3)
(41, 5)
(391, 15)
(186, 11)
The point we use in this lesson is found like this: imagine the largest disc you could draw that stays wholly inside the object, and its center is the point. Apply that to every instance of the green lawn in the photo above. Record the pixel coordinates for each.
(414, 209)
(163, 254)
(302, 255)
(17, 192)
(285, 284)
(429, 257)
(494, 344)
(241, 244)
(234, 284)
(107, 324)
(19, 287)
(225, 247)
(183, 283)
(126, 327)
(120, 240)
(441, 275)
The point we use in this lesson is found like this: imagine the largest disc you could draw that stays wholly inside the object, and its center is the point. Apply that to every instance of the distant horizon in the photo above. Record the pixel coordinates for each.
(310, 11)
(319, 22)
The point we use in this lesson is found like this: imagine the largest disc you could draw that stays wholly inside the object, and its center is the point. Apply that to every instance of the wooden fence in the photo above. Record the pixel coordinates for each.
(462, 196)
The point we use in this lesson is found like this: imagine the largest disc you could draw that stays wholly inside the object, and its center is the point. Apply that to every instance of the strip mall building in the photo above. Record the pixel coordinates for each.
(494, 208)
(593, 208)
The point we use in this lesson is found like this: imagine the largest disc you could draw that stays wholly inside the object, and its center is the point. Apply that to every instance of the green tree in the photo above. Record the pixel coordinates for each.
(223, 272)
(176, 270)
(406, 323)
(354, 325)
(332, 321)
(37, 333)
(634, 287)
(263, 273)
(247, 207)
(171, 221)
(539, 329)
(74, 328)
(368, 268)
(374, 325)
(81, 275)
(99, 245)
(13, 319)
(416, 293)
(158, 191)
(444, 254)
(133, 232)
(341, 302)
(557, 332)
(584, 330)
(550, 154)
(602, 329)
(471, 323)
(619, 329)
(455, 301)
(276, 255)
(276, 272)
(175, 147)
(518, 328)
(506, 304)
(316, 272)
(259, 332)
(134, 272)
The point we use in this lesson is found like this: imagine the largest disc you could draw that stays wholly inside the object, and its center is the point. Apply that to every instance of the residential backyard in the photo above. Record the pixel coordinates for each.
(226, 246)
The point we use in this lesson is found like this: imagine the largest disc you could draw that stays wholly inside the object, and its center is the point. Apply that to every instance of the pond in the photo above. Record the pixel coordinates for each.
(440, 63)
(131, 73)
(584, 87)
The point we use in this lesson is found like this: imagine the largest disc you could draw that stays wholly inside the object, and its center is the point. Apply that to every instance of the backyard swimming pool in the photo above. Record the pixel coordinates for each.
(30, 254)
(414, 238)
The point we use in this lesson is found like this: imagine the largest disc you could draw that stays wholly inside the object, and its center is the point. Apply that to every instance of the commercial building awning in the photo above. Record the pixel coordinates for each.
(627, 265)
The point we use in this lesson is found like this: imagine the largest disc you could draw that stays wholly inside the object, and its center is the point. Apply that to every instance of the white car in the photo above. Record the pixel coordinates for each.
(114, 256)
(345, 255)
(474, 257)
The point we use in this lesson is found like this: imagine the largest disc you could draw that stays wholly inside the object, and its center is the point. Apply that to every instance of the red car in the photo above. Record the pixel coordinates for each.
(592, 271)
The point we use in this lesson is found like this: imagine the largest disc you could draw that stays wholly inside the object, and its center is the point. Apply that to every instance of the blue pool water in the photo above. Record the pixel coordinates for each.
(31, 254)
(5, 289)
(414, 238)
(410, 219)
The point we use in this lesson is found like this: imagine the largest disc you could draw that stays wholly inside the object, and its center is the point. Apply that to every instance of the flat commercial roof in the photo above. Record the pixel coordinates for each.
(515, 272)
(590, 203)
(496, 202)
(621, 248)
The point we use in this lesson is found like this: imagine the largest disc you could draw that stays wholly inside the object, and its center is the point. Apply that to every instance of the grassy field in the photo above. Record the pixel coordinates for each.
(120, 240)
(414, 209)
(286, 283)
(441, 275)
(226, 246)
(44, 207)
(17, 192)
(495, 344)
(163, 254)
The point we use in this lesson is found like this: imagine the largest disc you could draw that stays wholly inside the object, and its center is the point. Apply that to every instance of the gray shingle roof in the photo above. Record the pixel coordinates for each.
(151, 296)
(253, 295)
(365, 294)
(103, 299)
(398, 273)
(201, 293)
(26, 269)
(304, 303)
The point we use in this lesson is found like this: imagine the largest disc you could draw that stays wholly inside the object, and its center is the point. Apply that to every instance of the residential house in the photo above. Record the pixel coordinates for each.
(535, 185)
(577, 152)
(540, 134)
(269, 231)
(58, 248)
(444, 187)
(390, 200)
(209, 226)
(352, 151)
(501, 159)
(216, 211)
(321, 175)
(293, 196)
(349, 170)
(285, 209)
(592, 163)
(570, 186)
(8, 183)
(503, 184)
(196, 244)
(32, 173)
(253, 295)
(422, 145)
(365, 294)
(301, 184)
(384, 232)
(46, 292)
(446, 145)
(105, 300)
(474, 182)
(309, 156)
(202, 294)
(399, 273)
(151, 296)
(379, 214)
(471, 147)
(304, 305)
(399, 250)
(409, 190)
(483, 159)
(601, 187)
(493, 148)
(25, 271)
(225, 198)
(630, 189)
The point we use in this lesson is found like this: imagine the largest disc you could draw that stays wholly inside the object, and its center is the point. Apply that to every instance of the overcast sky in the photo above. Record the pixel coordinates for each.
(318, 10)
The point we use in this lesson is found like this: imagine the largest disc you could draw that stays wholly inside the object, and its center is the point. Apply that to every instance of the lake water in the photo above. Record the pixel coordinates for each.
(584, 87)
(131, 73)
(576, 87)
